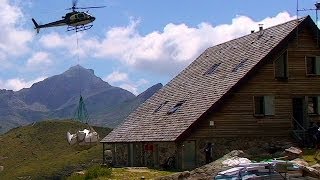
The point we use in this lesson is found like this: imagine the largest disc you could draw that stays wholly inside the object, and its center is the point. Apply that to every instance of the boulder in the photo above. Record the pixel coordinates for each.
(300, 162)
(293, 152)
(316, 166)
(309, 171)
(207, 171)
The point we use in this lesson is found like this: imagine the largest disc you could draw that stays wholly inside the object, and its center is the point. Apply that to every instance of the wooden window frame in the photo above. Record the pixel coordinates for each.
(265, 99)
(212, 69)
(239, 65)
(316, 103)
(314, 74)
(160, 106)
(286, 66)
(254, 107)
(175, 107)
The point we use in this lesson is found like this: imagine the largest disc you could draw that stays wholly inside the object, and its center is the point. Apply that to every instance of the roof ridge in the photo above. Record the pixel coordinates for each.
(275, 26)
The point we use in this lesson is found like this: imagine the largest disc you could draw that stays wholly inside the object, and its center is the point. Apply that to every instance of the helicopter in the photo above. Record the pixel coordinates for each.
(75, 20)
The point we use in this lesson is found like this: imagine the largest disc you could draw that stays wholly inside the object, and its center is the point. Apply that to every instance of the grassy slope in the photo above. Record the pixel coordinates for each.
(42, 150)
(127, 173)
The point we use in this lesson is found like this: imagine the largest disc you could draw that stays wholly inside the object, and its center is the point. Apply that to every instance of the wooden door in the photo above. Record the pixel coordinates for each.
(188, 155)
(298, 112)
(130, 155)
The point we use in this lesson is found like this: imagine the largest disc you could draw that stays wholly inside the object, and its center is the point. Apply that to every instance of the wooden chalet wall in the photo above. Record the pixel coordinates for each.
(235, 116)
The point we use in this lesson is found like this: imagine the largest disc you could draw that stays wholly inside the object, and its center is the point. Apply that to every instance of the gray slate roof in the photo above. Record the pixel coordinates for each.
(200, 92)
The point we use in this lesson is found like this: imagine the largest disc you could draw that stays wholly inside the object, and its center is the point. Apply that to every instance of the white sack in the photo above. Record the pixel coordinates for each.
(72, 138)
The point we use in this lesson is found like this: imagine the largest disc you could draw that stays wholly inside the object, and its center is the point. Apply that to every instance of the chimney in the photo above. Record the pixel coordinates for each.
(260, 27)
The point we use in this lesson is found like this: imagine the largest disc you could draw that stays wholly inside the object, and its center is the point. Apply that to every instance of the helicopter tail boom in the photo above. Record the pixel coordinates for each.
(37, 27)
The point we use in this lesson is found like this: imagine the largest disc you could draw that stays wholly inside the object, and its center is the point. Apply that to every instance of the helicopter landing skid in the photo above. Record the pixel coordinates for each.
(79, 28)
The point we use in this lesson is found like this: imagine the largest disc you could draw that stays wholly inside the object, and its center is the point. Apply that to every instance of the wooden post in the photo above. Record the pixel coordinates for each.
(103, 155)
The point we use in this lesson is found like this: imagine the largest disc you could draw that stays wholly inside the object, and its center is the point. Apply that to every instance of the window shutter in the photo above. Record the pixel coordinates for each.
(317, 64)
(269, 105)
(318, 104)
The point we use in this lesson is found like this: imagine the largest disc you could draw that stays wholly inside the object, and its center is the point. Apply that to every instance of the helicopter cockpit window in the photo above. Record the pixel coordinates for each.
(81, 16)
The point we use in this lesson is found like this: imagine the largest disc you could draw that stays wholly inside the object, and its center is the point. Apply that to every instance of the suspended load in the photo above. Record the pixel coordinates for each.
(86, 136)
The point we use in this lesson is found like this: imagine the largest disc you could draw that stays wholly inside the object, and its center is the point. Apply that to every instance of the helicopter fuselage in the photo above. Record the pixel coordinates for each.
(78, 18)
(75, 19)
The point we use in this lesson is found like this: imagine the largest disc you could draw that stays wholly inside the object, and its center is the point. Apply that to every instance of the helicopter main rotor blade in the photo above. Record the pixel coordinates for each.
(91, 7)
(74, 3)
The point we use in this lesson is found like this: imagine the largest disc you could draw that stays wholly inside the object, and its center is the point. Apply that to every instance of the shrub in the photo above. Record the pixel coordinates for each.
(97, 171)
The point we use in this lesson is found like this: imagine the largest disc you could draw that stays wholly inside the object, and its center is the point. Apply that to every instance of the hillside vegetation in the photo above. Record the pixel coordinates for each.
(40, 151)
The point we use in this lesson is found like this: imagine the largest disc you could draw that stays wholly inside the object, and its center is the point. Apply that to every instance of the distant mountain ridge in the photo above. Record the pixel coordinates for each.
(56, 98)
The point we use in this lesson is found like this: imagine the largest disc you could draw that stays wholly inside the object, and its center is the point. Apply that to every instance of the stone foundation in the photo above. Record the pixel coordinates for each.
(155, 154)
(120, 154)
(152, 154)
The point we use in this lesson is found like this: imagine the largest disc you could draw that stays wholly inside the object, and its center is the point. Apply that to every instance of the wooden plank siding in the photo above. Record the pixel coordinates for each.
(235, 116)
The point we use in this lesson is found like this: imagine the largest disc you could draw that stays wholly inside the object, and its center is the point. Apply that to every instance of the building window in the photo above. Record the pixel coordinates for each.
(313, 65)
(281, 66)
(238, 66)
(263, 105)
(258, 105)
(313, 104)
(212, 69)
(175, 108)
(160, 106)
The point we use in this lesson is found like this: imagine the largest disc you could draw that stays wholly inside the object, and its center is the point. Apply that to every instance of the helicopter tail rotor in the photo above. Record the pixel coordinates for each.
(36, 25)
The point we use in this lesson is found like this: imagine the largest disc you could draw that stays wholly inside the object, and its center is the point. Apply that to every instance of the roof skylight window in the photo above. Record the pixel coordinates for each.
(160, 106)
(212, 69)
(175, 108)
(241, 64)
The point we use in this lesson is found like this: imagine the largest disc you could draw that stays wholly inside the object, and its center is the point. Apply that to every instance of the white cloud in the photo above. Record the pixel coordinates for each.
(18, 83)
(83, 47)
(123, 81)
(165, 52)
(13, 39)
(130, 87)
(134, 87)
(39, 60)
(117, 76)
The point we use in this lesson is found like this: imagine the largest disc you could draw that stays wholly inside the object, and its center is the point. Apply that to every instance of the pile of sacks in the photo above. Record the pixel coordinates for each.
(85, 137)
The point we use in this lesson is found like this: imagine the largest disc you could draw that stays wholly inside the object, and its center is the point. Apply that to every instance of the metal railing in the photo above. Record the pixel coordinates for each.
(301, 132)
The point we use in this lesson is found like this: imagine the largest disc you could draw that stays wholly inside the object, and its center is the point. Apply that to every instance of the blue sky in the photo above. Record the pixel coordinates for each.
(133, 44)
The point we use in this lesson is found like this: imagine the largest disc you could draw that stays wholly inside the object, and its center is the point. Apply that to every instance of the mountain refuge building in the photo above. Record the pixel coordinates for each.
(261, 87)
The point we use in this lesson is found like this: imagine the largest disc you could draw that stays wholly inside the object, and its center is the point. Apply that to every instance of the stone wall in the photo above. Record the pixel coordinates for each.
(138, 154)
(151, 154)
(155, 154)
(166, 150)
(120, 154)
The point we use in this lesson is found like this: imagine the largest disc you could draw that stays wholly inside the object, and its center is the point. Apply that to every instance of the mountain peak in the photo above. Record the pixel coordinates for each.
(77, 69)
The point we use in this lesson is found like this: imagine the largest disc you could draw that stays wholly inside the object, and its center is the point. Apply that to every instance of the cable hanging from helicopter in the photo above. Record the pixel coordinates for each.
(88, 136)
(75, 20)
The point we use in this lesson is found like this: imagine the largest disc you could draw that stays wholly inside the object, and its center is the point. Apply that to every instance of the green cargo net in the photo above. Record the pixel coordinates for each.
(81, 113)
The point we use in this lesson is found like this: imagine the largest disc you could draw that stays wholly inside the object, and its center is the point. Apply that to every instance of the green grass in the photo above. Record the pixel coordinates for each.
(42, 151)
(127, 173)
(102, 173)
(311, 156)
